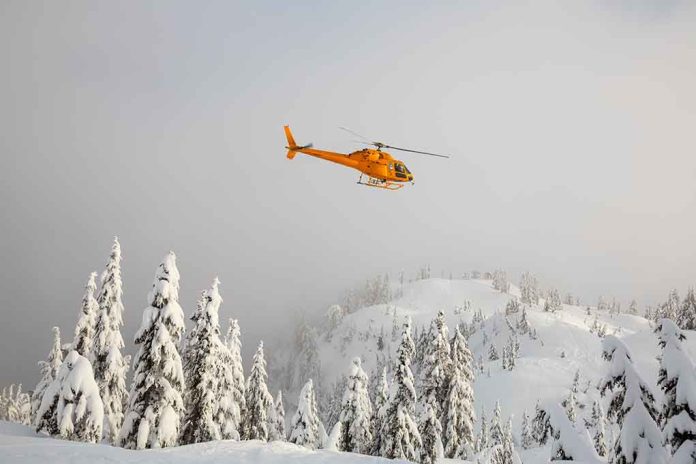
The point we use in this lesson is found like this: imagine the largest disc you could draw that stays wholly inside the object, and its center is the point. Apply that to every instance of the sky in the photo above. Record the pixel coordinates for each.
(570, 125)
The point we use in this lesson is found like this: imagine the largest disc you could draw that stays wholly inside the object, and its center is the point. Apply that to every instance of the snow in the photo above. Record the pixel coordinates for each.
(19, 444)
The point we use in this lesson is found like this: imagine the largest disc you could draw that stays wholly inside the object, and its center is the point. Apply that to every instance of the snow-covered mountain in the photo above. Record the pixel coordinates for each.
(556, 347)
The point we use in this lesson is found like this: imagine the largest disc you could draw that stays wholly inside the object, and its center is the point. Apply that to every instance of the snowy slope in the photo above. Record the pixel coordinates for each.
(19, 444)
(545, 368)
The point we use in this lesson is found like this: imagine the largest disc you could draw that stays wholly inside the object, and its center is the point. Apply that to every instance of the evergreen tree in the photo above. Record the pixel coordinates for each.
(527, 438)
(576, 382)
(205, 371)
(279, 428)
(553, 301)
(305, 422)
(436, 365)
(670, 309)
(496, 429)
(569, 405)
(459, 410)
(541, 426)
(431, 435)
(677, 380)
(356, 412)
(633, 307)
(512, 307)
(529, 289)
(632, 405)
(687, 312)
(236, 386)
(258, 400)
(71, 406)
(522, 323)
(493, 353)
(86, 324)
(155, 405)
(49, 371)
(500, 281)
(110, 367)
(379, 411)
(400, 437)
(596, 425)
(483, 438)
(504, 453)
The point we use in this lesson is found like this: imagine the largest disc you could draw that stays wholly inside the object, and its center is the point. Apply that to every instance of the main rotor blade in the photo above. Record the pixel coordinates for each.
(356, 134)
(416, 151)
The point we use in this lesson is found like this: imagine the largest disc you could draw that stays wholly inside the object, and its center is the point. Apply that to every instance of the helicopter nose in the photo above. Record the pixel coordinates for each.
(410, 177)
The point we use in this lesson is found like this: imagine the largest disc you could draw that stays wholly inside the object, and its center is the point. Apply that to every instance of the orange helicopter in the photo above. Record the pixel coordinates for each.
(382, 170)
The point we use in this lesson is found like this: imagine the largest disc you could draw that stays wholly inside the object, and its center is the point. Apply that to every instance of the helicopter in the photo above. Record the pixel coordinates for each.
(380, 168)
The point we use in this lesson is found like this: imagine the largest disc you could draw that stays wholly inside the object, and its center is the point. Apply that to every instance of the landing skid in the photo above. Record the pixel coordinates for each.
(379, 183)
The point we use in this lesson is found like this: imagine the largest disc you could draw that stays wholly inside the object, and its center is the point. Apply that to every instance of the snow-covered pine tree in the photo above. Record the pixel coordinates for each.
(500, 281)
(504, 453)
(553, 301)
(569, 405)
(15, 406)
(430, 430)
(493, 353)
(356, 412)
(670, 308)
(496, 428)
(601, 304)
(49, 371)
(541, 425)
(522, 323)
(483, 441)
(86, 324)
(596, 426)
(575, 387)
(109, 364)
(436, 366)
(632, 405)
(379, 411)
(633, 307)
(233, 427)
(205, 369)
(258, 399)
(529, 289)
(155, 405)
(677, 380)
(512, 306)
(399, 434)
(71, 406)
(305, 423)
(527, 441)
(459, 412)
(279, 416)
(687, 311)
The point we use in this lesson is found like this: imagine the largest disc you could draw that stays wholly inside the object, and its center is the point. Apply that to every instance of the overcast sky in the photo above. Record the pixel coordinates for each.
(571, 126)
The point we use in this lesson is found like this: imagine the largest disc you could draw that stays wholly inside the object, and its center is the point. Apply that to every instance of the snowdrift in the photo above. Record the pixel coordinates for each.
(20, 444)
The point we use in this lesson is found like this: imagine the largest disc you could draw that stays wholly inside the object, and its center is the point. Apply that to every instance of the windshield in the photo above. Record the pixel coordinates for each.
(400, 168)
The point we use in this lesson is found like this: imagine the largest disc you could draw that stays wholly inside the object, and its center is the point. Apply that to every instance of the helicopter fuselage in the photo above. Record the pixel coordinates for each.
(374, 163)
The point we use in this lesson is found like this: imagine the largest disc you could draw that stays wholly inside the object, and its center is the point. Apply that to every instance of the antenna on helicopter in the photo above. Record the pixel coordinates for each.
(381, 145)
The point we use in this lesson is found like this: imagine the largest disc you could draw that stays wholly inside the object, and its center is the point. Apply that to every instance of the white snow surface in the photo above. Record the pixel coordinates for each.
(20, 444)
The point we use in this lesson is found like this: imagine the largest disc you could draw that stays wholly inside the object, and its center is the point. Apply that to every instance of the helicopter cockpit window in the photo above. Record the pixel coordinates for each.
(391, 167)
(400, 168)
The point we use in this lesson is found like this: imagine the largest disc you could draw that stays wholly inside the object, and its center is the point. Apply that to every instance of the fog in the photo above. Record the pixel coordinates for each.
(571, 126)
